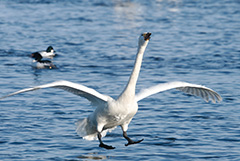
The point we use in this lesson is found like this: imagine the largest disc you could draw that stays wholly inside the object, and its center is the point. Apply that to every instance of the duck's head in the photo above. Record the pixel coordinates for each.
(50, 49)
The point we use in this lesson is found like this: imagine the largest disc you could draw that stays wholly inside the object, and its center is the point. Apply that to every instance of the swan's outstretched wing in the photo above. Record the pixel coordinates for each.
(93, 96)
(193, 89)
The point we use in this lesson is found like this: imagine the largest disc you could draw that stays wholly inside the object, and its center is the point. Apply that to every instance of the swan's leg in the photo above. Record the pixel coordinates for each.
(130, 141)
(102, 145)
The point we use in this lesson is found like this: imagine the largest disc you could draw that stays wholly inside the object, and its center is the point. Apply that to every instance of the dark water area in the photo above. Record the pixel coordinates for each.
(96, 42)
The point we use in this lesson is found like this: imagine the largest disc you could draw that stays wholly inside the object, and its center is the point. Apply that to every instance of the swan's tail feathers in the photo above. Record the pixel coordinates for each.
(87, 130)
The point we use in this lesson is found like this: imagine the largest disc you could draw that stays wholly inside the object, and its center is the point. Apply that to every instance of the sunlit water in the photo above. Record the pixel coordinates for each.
(193, 41)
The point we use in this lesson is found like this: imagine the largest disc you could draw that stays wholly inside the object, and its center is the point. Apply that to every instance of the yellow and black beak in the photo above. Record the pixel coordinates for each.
(147, 36)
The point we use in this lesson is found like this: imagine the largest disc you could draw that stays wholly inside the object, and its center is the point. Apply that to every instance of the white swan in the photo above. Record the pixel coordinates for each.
(110, 113)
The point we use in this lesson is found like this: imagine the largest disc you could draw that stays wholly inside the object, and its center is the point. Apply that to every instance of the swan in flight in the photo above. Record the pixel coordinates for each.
(109, 112)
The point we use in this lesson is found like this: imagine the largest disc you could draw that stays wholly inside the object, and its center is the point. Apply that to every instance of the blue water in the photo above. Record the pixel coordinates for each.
(96, 41)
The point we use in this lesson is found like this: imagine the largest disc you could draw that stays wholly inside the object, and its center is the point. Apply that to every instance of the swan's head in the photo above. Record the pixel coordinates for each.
(144, 38)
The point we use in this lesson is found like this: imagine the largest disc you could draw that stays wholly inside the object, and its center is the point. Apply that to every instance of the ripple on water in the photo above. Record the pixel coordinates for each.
(193, 41)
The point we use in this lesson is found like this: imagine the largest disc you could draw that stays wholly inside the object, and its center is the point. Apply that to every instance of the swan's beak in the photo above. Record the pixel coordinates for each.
(147, 36)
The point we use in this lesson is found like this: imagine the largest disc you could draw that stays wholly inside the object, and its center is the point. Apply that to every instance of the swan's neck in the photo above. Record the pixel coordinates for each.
(129, 91)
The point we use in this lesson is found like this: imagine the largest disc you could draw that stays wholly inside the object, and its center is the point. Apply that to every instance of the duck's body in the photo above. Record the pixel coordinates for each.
(48, 53)
(109, 112)
(41, 64)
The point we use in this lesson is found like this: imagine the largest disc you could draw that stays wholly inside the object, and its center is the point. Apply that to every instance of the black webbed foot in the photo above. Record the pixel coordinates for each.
(106, 146)
(102, 145)
(130, 142)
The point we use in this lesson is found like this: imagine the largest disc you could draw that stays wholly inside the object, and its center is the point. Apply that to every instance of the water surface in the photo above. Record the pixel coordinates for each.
(193, 41)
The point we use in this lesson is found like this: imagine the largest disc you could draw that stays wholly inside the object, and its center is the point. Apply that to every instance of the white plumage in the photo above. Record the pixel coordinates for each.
(109, 112)
(48, 53)
(192, 89)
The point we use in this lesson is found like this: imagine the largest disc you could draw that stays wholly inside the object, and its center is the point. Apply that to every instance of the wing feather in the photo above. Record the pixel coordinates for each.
(192, 89)
(93, 96)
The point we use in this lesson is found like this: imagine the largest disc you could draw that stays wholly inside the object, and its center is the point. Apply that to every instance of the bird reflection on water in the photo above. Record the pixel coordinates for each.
(93, 156)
